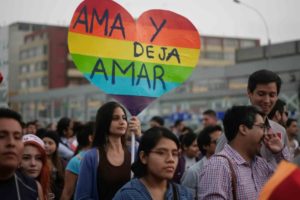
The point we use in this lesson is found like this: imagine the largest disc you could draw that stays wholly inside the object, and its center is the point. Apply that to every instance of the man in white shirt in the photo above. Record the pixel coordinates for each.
(263, 90)
(292, 132)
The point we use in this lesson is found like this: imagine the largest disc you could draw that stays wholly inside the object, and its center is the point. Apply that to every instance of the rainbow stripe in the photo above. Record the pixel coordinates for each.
(174, 51)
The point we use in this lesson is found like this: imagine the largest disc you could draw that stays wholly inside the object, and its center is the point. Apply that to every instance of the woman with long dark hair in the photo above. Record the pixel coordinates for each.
(154, 169)
(106, 167)
(55, 162)
(65, 132)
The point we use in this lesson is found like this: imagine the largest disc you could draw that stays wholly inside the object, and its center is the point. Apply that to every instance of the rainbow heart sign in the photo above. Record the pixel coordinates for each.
(133, 61)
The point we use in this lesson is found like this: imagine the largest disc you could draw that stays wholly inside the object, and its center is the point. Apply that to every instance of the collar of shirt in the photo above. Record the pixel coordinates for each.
(233, 154)
(267, 122)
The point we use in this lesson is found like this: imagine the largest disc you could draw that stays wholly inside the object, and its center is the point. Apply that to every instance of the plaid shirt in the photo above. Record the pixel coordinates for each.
(215, 178)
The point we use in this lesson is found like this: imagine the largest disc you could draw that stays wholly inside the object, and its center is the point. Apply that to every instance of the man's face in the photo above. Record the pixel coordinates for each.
(180, 126)
(255, 135)
(210, 149)
(264, 96)
(192, 151)
(283, 117)
(31, 129)
(11, 145)
(209, 120)
(292, 130)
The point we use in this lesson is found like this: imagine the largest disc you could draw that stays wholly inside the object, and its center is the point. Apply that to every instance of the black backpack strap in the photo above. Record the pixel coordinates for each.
(233, 176)
(175, 192)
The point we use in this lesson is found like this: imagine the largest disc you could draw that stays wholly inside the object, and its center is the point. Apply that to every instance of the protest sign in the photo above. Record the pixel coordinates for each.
(133, 61)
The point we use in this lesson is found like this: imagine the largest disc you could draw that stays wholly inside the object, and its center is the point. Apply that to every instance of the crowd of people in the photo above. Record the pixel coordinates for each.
(92, 160)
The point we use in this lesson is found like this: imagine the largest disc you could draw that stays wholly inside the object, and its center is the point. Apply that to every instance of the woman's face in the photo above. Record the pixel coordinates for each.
(50, 146)
(69, 131)
(118, 124)
(31, 163)
(162, 159)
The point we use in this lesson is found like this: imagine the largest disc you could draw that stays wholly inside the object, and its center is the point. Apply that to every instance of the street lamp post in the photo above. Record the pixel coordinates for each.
(264, 21)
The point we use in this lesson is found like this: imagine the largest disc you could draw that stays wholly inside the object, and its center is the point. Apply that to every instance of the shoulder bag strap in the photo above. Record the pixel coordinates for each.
(175, 192)
(233, 177)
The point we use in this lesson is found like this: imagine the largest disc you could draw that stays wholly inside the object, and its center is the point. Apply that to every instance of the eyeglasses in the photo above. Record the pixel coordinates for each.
(264, 127)
(166, 153)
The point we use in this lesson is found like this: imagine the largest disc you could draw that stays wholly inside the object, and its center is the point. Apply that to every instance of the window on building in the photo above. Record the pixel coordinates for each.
(229, 56)
(39, 50)
(247, 43)
(36, 27)
(23, 54)
(32, 67)
(24, 69)
(213, 41)
(231, 43)
(23, 84)
(37, 66)
(39, 81)
(238, 83)
(44, 65)
(45, 49)
(33, 51)
(45, 81)
(213, 55)
(23, 27)
(216, 84)
(35, 82)
(28, 83)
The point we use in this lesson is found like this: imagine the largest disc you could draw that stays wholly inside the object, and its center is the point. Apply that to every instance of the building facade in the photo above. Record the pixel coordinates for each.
(17, 32)
(44, 61)
(82, 102)
(4, 33)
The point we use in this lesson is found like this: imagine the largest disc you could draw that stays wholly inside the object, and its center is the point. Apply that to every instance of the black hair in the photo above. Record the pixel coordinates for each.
(177, 122)
(40, 132)
(263, 77)
(210, 113)
(148, 141)
(188, 139)
(83, 133)
(204, 139)
(31, 123)
(187, 129)
(51, 134)
(238, 115)
(103, 122)
(158, 119)
(290, 121)
(62, 125)
(279, 106)
(11, 114)
(56, 159)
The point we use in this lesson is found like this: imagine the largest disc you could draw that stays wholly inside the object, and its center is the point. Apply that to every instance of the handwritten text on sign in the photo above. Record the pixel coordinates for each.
(147, 58)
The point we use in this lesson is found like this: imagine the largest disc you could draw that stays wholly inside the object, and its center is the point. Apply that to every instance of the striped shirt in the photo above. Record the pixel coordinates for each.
(264, 151)
(215, 178)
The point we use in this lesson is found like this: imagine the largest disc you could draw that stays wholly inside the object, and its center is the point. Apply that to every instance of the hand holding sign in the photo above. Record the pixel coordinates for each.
(135, 62)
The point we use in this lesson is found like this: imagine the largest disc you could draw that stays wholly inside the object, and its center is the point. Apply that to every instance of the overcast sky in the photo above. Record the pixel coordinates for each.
(211, 17)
